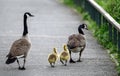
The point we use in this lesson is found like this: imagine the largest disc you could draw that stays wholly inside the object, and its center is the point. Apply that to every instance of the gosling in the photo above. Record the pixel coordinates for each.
(52, 58)
(64, 55)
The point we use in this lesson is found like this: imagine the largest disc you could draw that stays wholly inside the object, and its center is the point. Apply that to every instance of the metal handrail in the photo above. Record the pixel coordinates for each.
(106, 15)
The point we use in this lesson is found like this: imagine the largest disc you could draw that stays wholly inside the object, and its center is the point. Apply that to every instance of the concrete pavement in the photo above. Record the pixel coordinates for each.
(52, 24)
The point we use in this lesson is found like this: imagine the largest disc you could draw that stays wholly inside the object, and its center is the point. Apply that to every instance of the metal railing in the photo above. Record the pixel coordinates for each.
(101, 17)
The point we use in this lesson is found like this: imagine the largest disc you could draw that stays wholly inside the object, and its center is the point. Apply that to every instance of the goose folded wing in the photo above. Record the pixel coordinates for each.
(20, 47)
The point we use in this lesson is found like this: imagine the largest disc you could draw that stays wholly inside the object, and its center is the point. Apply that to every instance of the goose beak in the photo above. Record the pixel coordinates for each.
(32, 15)
(86, 28)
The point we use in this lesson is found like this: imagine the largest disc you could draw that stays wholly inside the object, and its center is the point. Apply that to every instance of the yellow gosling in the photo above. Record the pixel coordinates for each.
(52, 58)
(64, 55)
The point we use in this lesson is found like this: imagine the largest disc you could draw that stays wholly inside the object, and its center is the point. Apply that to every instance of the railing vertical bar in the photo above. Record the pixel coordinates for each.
(95, 15)
(104, 21)
(98, 18)
(77, 2)
(119, 43)
(86, 5)
(110, 32)
(115, 36)
(92, 13)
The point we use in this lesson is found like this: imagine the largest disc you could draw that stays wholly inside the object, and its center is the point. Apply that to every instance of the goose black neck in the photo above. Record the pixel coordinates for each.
(80, 31)
(25, 31)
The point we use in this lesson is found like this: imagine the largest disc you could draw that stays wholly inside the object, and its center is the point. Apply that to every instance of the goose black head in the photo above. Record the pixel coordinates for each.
(10, 59)
(83, 26)
(28, 14)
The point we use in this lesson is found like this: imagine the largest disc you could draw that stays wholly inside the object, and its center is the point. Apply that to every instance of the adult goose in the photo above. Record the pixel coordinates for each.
(76, 43)
(21, 46)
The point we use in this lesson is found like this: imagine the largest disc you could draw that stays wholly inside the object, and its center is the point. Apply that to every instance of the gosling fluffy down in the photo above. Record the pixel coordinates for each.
(64, 55)
(52, 58)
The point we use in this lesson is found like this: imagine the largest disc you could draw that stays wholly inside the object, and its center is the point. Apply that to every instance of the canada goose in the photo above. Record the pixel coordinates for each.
(52, 58)
(76, 42)
(64, 55)
(21, 46)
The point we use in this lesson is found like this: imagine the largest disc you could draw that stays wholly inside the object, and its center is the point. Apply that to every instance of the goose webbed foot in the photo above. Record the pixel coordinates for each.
(19, 68)
(71, 61)
(23, 68)
(79, 60)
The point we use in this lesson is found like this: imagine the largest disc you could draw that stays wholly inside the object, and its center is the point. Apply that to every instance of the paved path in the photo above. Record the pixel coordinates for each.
(52, 24)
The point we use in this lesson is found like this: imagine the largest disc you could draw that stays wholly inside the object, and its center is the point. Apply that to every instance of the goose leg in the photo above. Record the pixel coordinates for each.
(18, 64)
(24, 61)
(23, 68)
(71, 60)
(79, 60)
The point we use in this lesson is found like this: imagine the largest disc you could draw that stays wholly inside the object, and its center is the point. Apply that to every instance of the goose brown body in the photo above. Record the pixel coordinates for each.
(20, 47)
(76, 42)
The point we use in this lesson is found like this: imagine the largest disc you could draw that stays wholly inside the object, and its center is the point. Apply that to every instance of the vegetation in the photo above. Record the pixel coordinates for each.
(111, 6)
(101, 33)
